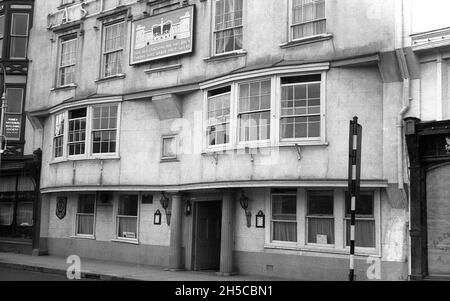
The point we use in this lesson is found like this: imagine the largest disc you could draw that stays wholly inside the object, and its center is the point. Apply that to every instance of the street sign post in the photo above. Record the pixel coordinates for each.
(354, 178)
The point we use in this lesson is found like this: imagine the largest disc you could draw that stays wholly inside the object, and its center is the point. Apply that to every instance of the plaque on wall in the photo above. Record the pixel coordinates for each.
(61, 207)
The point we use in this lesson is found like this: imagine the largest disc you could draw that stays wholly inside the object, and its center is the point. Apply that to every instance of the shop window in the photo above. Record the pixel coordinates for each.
(300, 107)
(284, 216)
(307, 18)
(320, 218)
(104, 129)
(19, 35)
(77, 132)
(6, 213)
(254, 111)
(228, 26)
(67, 60)
(127, 217)
(113, 46)
(365, 220)
(219, 116)
(85, 217)
(24, 214)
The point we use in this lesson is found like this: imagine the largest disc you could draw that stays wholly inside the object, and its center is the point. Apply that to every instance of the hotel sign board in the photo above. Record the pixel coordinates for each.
(163, 35)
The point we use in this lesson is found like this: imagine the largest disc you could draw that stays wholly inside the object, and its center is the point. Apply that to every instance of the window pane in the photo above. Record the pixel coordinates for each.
(128, 205)
(321, 230)
(364, 205)
(364, 233)
(127, 227)
(284, 231)
(86, 203)
(320, 203)
(85, 224)
(18, 47)
(6, 213)
(2, 26)
(14, 98)
(24, 214)
(19, 24)
(284, 207)
(169, 147)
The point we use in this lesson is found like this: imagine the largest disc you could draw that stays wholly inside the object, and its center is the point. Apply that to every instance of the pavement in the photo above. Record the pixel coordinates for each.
(109, 270)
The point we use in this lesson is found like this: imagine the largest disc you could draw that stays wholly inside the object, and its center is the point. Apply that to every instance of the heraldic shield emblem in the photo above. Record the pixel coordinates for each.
(61, 204)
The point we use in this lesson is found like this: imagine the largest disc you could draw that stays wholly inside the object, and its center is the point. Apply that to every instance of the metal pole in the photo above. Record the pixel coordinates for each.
(354, 175)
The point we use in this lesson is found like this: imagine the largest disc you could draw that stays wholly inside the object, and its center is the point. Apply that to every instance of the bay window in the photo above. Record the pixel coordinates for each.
(320, 218)
(284, 216)
(365, 220)
(127, 217)
(218, 127)
(114, 41)
(227, 26)
(19, 35)
(91, 131)
(254, 111)
(85, 217)
(307, 18)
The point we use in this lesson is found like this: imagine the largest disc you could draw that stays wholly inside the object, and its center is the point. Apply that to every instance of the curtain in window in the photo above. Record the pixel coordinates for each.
(24, 214)
(284, 231)
(364, 233)
(6, 214)
(85, 224)
(127, 224)
(320, 226)
(227, 20)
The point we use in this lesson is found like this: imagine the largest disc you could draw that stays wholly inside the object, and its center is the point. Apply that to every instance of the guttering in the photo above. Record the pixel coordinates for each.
(406, 104)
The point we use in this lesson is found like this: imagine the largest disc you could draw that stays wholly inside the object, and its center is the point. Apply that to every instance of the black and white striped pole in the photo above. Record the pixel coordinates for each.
(354, 176)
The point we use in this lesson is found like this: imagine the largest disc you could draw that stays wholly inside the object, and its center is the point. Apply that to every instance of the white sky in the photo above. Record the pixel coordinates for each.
(430, 14)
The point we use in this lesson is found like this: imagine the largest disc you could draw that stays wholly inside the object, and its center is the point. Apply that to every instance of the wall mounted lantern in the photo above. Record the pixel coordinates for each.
(260, 219)
(157, 218)
(187, 208)
(165, 204)
(243, 200)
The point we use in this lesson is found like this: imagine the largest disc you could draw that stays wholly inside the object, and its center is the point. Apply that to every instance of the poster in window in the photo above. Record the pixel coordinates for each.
(163, 35)
(13, 125)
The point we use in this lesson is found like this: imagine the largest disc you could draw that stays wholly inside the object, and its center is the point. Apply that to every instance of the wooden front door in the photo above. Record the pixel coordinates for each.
(438, 220)
(207, 226)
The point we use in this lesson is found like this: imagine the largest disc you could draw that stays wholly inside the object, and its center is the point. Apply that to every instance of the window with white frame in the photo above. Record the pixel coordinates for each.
(85, 217)
(169, 147)
(127, 216)
(365, 220)
(307, 18)
(300, 107)
(218, 128)
(76, 143)
(19, 35)
(104, 129)
(320, 217)
(113, 45)
(254, 110)
(67, 60)
(284, 216)
(58, 135)
(228, 26)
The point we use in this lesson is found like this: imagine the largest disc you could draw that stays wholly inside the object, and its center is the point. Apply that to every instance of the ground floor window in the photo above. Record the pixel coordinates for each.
(320, 217)
(127, 216)
(85, 220)
(365, 221)
(284, 213)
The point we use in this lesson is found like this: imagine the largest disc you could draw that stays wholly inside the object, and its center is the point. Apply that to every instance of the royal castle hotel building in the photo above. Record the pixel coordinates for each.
(213, 134)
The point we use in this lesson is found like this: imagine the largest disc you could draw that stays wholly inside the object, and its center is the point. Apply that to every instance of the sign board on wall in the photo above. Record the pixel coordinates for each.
(163, 35)
(13, 126)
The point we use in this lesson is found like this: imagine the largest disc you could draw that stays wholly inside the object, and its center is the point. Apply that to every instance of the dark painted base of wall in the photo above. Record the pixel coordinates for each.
(109, 250)
(16, 247)
(296, 267)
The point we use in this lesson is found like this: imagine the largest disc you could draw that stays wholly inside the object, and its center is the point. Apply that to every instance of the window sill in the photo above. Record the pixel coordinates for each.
(321, 249)
(226, 55)
(92, 158)
(168, 160)
(66, 87)
(91, 237)
(126, 241)
(163, 68)
(307, 40)
(110, 78)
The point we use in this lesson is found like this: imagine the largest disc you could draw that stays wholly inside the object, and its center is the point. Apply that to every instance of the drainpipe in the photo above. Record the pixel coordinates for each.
(406, 102)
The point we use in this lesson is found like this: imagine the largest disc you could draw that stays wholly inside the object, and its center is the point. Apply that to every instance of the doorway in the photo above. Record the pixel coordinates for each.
(207, 228)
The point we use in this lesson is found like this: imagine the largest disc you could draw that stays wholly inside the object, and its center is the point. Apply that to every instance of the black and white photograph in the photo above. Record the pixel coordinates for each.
(224, 147)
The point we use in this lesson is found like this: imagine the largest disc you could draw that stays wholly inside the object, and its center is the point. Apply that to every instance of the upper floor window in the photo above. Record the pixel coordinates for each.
(300, 107)
(218, 127)
(113, 46)
(77, 132)
(67, 61)
(2, 33)
(307, 18)
(14, 112)
(58, 136)
(228, 25)
(19, 35)
(169, 148)
(104, 129)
